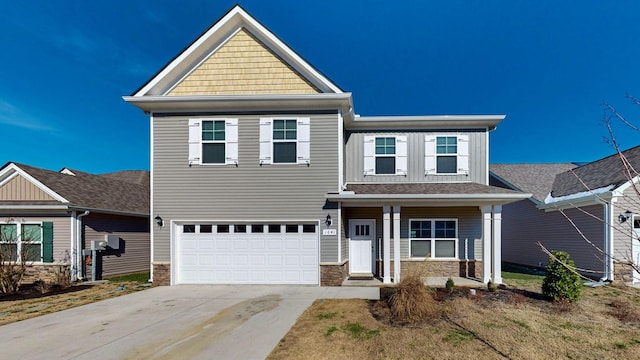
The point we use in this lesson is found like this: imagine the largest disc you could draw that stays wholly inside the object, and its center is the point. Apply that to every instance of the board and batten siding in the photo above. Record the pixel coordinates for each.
(248, 191)
(21, 189)
(523, 225)
(134, 235)
(354, 158)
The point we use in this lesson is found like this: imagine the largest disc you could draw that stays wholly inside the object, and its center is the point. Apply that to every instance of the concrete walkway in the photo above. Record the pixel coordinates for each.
(179, 322)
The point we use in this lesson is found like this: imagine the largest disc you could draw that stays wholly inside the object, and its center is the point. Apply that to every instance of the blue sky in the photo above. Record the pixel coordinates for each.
(547, 65)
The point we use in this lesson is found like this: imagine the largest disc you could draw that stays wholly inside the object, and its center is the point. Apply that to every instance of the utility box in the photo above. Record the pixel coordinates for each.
(113, 241)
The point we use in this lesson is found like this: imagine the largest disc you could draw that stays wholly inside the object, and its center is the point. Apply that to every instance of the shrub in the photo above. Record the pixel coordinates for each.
(412, 302)
(492, 286)
(449, 284)
(561, 282)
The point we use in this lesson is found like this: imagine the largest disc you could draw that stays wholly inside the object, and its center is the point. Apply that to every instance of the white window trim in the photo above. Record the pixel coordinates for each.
(400, 156)
(19, 243)
(302, 141)
(431, 154)
(433, 239)
(230, 141)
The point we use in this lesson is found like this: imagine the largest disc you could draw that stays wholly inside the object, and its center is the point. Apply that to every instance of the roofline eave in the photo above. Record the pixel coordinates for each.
(427, 199)
(489, 122)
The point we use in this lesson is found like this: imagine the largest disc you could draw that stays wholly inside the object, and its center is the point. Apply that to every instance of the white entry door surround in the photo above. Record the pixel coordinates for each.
(362, 235)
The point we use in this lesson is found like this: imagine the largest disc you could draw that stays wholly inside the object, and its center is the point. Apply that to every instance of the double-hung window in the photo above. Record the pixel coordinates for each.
(433, 238)
(213, 141)
(385, 155)
(285, 140)
(26, 242)
(446, 154)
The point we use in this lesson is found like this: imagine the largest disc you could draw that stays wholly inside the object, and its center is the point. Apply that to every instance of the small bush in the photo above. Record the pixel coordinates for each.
(492, 286)
(561, 283)
(449, 284)
(412, 302)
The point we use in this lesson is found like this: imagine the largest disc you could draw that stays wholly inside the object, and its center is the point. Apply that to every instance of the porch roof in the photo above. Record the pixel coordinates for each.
(425, 194)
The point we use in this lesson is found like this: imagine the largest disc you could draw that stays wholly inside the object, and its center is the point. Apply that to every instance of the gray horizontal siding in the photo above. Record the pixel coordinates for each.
(354, 159)
(246, 192)
(523, 225)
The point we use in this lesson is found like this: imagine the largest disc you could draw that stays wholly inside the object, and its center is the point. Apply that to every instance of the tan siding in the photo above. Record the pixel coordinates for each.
(354, 159)
(247, 192)
(523, 225)
(134, 235)
(243, 65)
(19, 188)
(622, 241)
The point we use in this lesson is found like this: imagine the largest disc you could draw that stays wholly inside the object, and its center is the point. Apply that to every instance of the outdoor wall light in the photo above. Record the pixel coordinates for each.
(624, 216)
(159, 220)
(328, 221)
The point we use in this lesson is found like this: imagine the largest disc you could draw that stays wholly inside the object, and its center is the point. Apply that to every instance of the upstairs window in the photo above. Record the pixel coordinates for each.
(285, 141)
(213, 141)
(385, 155)
(446, 154)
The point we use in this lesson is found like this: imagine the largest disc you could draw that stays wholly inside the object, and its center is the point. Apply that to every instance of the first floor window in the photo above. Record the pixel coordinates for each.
(433, 238)
(21, 242)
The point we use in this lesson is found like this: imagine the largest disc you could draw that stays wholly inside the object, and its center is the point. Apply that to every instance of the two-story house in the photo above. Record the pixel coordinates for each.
(262, 173)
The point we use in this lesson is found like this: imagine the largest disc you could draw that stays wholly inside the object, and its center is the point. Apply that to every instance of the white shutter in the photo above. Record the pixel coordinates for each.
(429, 154)
(401, 155)
(369, 155)
(231, 137)
(195, 137)
(304, 141)
(463, 154)
(265, 140)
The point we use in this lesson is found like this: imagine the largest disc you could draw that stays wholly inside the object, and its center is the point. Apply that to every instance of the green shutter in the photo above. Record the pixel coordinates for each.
(47, 242)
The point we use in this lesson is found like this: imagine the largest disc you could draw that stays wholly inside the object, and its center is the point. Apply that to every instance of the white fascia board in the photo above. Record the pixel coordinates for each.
(219, 33)
(619, 191)
(584, 198)
(34, 207)
(160, 104)
(348, 198)
(488, 122)
(13, 170)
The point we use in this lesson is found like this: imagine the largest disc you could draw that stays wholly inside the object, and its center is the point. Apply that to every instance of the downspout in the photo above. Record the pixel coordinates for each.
(608, 238)
(79, 254)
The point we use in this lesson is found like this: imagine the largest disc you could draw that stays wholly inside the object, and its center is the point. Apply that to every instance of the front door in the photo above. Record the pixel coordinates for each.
(361, 240)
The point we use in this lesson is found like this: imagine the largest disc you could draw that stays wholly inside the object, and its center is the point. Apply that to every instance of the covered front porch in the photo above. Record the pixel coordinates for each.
(437, 230)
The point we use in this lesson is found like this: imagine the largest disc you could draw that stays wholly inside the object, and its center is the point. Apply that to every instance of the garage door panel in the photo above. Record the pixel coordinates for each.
(248, 258)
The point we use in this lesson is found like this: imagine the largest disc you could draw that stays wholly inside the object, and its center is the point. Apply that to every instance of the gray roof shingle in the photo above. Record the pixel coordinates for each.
(127, 192)
(597, 174)
(536, 179)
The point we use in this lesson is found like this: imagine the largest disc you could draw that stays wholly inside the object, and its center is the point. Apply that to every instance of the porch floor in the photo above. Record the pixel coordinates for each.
(435, 281)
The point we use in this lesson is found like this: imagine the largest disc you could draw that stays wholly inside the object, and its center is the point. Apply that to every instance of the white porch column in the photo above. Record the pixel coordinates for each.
(496, 245)
(486, 243)
(396, 244)
(386, 244)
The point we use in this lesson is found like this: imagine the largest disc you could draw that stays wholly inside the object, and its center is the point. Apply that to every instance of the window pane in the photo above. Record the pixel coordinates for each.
(31, 232)
(205, 228)
(188, 228)
(257, 228)
(222, 228)
(420, 229)
(274, 228)
(447, 145)
(291, 228)
(284, 152)
(278, 124)
(445, 248)
(420, 248)
(31, 252)
(213, 153)
(385, 165)
(308, 228)
(385, 146)
(278, 134)
(218, 136)
(445, 229)
(207, 135)
(447, 165)
(9, 251)
(8, 232)
(240, 228)
(218, 126)
(207, 125)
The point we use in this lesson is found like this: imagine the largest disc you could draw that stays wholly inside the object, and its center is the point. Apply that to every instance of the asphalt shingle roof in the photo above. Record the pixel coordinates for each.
(536, 179)
(126, 191)
(597, 174)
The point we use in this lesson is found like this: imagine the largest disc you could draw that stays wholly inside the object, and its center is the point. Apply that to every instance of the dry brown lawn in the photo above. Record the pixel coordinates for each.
(29, 304)
(513, 323)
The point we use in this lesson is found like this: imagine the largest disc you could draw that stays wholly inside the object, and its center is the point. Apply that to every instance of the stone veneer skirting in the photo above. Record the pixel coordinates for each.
(333, 275)
(44, 272)
(161, 274)
(441, 268)
(623, 272)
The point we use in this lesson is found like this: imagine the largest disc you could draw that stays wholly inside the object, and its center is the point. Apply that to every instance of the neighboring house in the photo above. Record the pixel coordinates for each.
(262, 173)
(590, 211)
(55, 218)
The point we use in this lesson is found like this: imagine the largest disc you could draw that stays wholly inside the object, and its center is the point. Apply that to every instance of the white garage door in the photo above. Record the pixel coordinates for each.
(247, 254)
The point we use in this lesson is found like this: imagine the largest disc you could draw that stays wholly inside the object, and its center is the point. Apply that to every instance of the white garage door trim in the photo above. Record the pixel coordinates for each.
(236, 253)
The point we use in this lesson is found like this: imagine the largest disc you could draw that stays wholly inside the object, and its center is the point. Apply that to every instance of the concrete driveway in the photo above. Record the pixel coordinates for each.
(179, 322)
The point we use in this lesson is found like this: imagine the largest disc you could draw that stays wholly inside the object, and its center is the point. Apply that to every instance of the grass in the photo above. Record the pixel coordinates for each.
(514, 322)
(142, 278)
